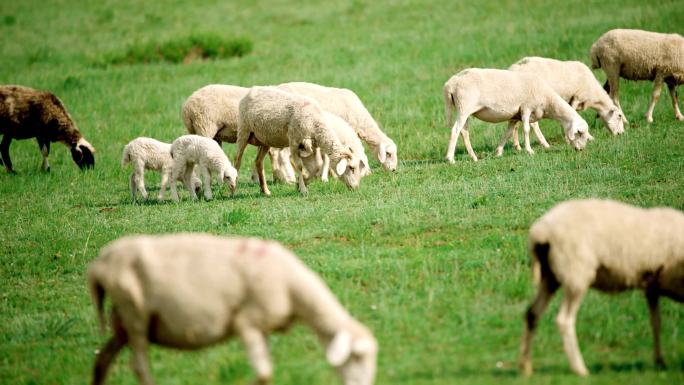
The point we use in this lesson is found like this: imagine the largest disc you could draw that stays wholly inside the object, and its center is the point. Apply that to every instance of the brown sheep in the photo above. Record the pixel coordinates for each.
(28, 113)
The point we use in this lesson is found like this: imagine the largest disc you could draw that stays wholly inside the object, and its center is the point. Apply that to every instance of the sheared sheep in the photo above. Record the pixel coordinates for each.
(347, 105)
(190, 291)
(641, 55)
(190, 150)
(270, 117)
(607, 245)
(28, 113)
(576, 84)
(150, 154)
(495, 96)
(212, 111)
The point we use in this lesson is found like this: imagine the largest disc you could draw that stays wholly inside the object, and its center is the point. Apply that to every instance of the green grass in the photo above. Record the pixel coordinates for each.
(432, 258)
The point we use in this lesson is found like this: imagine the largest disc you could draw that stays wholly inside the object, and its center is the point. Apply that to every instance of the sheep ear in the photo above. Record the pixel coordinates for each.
(589, 137)
(341, 166)
(306, 148)
(363, 346)
(382, 154)
(340, 349)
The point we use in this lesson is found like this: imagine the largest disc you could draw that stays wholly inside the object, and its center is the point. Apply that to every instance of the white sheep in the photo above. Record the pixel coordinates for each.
(607, 245)
(495, 96)
(641, 55)
(212, 111)
(319, 163)
(190, 150)
(576, 84)
(347, 105)
(270, 117)
(190, 291)
(150, 154)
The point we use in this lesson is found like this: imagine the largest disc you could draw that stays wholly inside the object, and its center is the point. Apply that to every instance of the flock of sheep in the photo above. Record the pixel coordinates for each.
(249, 287)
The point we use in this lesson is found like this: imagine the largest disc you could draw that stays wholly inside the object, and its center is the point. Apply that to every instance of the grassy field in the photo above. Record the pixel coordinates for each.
(432, 258)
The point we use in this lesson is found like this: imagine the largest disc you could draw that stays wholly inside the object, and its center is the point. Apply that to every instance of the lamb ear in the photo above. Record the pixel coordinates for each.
(341, 166)
(589, 137)
(363, 346)
(339, 349)
(306, 148)
(382, 154)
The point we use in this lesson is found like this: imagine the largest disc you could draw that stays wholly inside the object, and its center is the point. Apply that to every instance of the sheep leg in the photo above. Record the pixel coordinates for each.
(612, 86)
(139, 176)
(140, 361)
(259, 164)
(466, 139)
(539, 135)
(532, 316)
(299, 169)
(178, 169)
(654, 316)
(132, 185)
(109, 352)
(455, 132)
(257, 350)
(325, 169)
(206, 180)
(4, 151)
(655, 95)
(44, 146)
(164, 182)
(507, 135)
(566, 325)
(672, 87)
(526, 130)
(242, 139)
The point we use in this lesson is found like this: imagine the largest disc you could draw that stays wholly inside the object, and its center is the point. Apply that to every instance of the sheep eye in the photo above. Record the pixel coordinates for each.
(351, 168)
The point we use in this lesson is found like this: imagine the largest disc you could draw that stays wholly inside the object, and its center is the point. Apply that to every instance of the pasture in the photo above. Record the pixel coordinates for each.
(432, 258)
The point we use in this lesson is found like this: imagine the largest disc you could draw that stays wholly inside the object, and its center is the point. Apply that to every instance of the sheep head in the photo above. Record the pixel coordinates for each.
(82, 153)
(614, 120)
(350, 169)
(354, 357)
(387, 155)
(577, 133)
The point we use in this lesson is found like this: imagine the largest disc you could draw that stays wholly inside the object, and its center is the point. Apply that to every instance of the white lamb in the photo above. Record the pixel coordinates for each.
(319, 164)
(576, 84)
(190, 291)
(496, 96)
(641, 55)
(150, 154)
(270, 117)
(190, 150)
(347, 105)
(212, 111)
(607, 245)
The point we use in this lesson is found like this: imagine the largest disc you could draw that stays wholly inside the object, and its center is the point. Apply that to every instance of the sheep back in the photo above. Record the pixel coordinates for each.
(212, 111)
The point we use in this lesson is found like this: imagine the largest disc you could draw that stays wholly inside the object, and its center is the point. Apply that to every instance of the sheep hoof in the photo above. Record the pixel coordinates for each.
(451, 160)
(499, 152)
(679, 117)
(526, 368)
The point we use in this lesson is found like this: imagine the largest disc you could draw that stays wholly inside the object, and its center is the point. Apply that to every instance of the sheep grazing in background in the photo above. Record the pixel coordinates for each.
(270, 117)
(319, 164)
(609, 246)
(190, 150)
(28, 113)
(641, 55)
(496, 96)
(347, 105)
(576, 84)
(150, 154)
(212, 111)
(237, 287)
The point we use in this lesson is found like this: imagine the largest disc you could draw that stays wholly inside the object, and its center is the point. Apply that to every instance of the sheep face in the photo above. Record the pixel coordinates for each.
(577, 133)
(350, 169)
(196, 183)
(82, 153)
(229, 177)
(387, 155)
(354, 359)
(614, 121)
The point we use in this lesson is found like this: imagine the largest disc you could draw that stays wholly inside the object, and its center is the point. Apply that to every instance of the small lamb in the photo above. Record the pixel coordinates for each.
(150, 154)
(607, 245)
(270, 117)
(28, 113)
(576, 84)
(347, 105)
(495, 96)
(236, 287)
(641, 55)
(190, 150)
(212, 111)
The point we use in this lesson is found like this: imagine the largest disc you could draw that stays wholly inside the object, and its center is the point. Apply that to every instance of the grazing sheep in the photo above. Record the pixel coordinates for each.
(190, 150)
(347, 105)
(270, 117)
(576, 84)
(609, 246)
(495, 96)
(641, 55)
(319, 164)
(28, 113)
(190, 291)
(212, 111)
(150, 154)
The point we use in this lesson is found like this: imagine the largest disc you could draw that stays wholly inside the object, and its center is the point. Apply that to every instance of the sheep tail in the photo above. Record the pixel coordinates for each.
(98, 294)
(448, 104)
(595, 60)
(126, 159)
